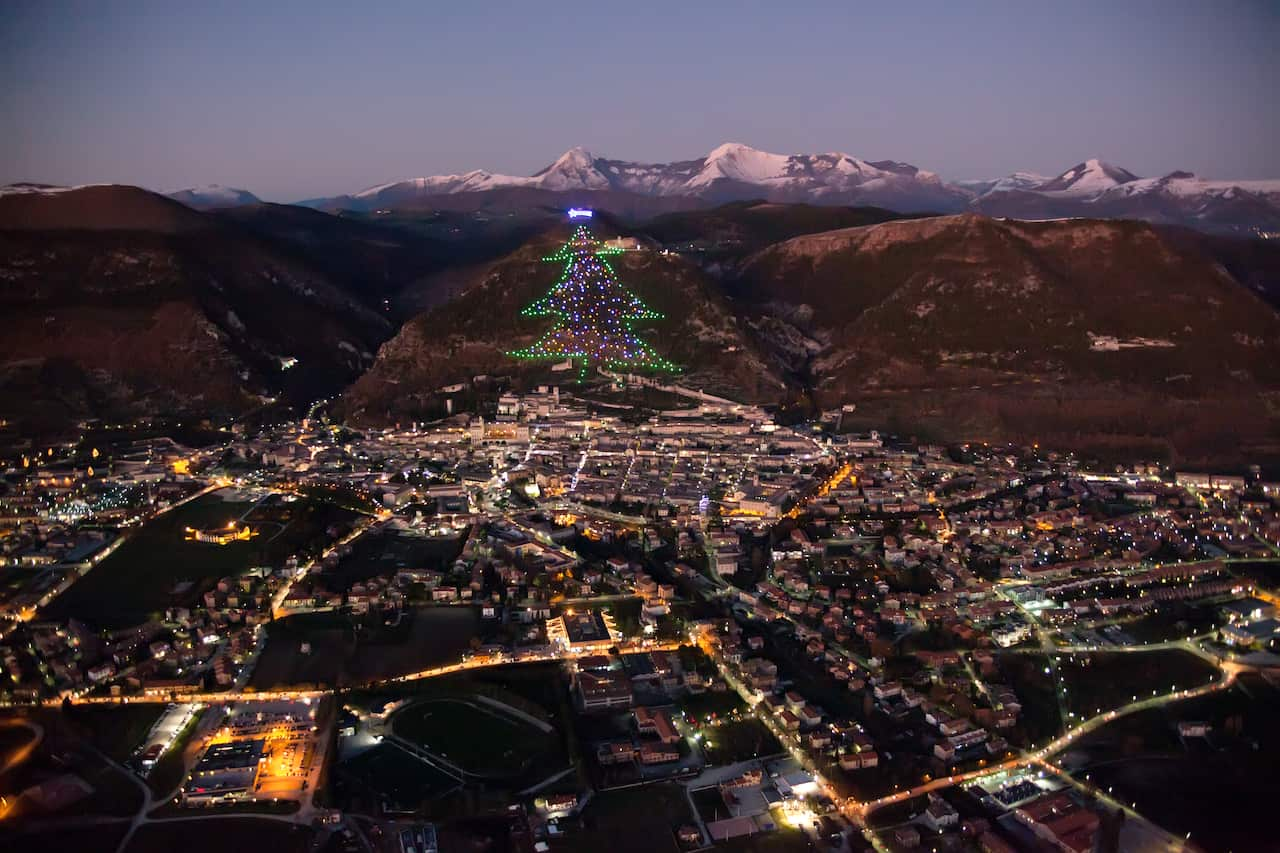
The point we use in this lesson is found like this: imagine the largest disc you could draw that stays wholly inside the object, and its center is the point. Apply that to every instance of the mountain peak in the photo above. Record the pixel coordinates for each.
(574, 169)
(734, 161)
(731, 149)
(1093, 175)
(575, 156)
(214, 196)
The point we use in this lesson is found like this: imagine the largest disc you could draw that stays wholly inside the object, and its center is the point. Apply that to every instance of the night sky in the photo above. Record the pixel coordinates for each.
(308, 99)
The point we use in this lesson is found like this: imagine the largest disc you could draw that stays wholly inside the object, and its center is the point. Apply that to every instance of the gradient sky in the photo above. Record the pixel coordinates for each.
(293, 100)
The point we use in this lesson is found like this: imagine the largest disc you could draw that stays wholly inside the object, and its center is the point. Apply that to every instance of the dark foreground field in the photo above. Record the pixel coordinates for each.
(143, 576)
(1222, 789)
(340, 655)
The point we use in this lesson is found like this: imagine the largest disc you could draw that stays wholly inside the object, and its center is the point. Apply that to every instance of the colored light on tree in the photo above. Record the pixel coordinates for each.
(594, 313)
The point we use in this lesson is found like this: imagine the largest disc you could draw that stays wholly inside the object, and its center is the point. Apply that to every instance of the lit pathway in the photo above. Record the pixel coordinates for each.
(250, 695)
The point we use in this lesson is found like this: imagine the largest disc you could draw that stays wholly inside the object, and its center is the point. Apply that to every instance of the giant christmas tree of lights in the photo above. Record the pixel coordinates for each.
(594, 313)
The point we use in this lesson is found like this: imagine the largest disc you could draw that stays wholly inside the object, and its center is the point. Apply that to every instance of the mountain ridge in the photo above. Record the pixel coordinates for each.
(734, 171)
(214, 197)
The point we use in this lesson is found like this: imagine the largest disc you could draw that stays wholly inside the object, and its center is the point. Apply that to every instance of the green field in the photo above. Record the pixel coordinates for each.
(140, 578)
(750, 738)
(225, 834)
(1174, 622)
(388, 552)
(1220, 788)
(1102, 681)
(94, 838)
(479, 739)
(711, 703)
(389, 772)
(781, 841)
(116, 730)
(1041, 718)
(635, 820)
(342, 654)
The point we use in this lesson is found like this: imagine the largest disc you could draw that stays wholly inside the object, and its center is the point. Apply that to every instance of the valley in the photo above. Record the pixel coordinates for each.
(960, 327)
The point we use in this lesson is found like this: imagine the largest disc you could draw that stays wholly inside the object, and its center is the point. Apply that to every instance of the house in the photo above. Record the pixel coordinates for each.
(656, 753)
(859, 760)
(1251, 633)
(556, 805)
(600, 690)
(657, 723)
(1194, 728)
(940, 815)
(906, 837)
(809, 715)
(1247, 610)
(1060, 821)
(615, 752)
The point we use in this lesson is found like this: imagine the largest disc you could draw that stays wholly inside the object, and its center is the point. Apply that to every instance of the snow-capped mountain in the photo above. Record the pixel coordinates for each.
(1088, 178)
(729, 172)
(29, 187)
(1016, 181)
(734, 172)
(1187, 185)
(214, 196)
(1100, 190)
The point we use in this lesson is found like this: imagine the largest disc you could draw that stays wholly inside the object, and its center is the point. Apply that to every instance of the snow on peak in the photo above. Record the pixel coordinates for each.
(731, 149)
(1009, 183)
(737, 162)
(1091, 176)
(1190, 185)
(26, 187)
(210, 193)
(576, 156)
(575, 169)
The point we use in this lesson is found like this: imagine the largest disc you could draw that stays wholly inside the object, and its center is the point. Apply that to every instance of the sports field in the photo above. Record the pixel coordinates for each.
(477, 737)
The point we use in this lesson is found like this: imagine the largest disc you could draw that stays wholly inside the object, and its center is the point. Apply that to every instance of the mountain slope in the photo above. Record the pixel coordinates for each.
(165, 308)
(738, 228)
(1080, 333)
(104, 207)
(471, 334)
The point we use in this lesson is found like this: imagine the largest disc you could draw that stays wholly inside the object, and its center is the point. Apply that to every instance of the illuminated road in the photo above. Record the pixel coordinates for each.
(278, 609)
(1041, 756)
(248, 694)
(845, 470)
(21, 753)
(857, 812)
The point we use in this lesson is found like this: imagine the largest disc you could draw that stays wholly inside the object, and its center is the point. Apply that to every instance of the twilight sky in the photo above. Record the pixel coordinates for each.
(293, 100)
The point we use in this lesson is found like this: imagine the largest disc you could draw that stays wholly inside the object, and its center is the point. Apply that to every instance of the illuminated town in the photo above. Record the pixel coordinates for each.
(782, 629)
(514, 427)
